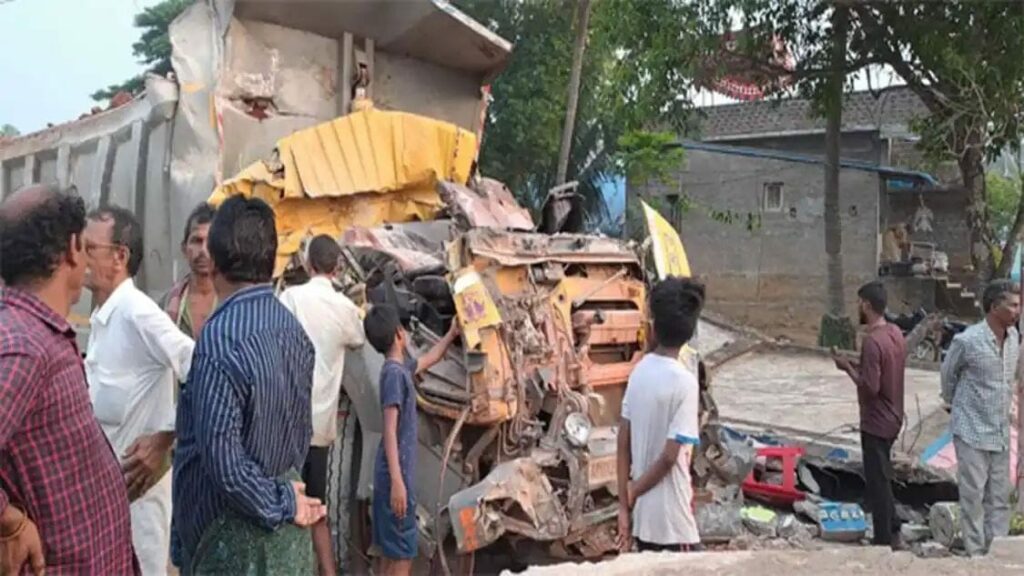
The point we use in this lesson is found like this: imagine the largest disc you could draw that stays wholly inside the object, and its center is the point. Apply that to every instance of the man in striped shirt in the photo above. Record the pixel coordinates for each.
(243, 423)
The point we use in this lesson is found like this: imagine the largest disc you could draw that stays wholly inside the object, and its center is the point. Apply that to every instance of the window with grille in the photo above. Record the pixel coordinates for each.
(772, 197)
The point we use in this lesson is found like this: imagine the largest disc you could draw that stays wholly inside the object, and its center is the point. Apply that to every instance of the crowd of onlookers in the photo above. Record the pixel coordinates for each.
(196, 431)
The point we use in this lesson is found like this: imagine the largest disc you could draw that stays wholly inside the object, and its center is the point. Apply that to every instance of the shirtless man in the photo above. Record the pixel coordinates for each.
(191, 301)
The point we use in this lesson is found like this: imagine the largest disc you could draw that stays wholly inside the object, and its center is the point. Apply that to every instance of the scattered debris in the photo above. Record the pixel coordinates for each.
(909, 515)
(930, 550)
(944, 521)
(808, 508)
(807, 480)
(787, 526)
(760, 520)
(913, 533)
(775, 482)
(718, 523)
(841, 522)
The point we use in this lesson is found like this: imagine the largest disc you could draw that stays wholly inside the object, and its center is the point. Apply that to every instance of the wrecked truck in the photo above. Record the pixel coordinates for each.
(517, 428)
(517, 425)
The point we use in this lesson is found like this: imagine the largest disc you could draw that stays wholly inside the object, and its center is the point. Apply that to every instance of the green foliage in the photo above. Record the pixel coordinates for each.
(644, 156)
(8, 131)
(674, 208)
(963, 59)
(637, 67)
(1003, 198)
(153, 48)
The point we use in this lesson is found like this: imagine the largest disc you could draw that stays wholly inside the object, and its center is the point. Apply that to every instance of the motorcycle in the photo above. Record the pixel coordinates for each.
(928, 336)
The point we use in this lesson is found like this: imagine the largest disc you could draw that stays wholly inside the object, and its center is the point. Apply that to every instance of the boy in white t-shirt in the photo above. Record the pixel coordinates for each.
(659, 429)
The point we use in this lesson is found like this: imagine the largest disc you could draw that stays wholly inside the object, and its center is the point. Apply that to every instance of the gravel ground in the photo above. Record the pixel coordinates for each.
(1007, 557)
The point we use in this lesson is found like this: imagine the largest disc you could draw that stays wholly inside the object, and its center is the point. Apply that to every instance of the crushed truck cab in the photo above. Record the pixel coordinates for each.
(521, 419)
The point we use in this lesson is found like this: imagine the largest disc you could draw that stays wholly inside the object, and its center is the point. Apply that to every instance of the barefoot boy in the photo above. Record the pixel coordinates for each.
(394, 507)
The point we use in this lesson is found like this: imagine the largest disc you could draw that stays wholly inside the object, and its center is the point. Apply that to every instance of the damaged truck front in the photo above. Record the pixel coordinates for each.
(517, 424)
(518, 427)
(552, 327)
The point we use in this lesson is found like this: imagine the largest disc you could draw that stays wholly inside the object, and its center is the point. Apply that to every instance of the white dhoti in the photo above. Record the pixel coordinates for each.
(151, 528)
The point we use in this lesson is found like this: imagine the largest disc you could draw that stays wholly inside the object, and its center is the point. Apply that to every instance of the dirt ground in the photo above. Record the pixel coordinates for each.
(1007, 557)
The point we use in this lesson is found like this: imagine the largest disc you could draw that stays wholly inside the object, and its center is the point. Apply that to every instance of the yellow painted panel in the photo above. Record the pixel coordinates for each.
(365, 169)
(669, 255)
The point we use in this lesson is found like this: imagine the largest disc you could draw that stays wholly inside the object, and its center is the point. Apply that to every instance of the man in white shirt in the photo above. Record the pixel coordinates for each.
(334, 325)
(134, 360)
(659, 429)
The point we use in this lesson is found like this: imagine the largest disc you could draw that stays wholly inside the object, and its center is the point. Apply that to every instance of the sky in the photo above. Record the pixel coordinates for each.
(54, 53)
(57, 52)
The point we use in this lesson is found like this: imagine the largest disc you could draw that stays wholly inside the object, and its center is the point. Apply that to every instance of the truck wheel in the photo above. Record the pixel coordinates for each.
(458, 564)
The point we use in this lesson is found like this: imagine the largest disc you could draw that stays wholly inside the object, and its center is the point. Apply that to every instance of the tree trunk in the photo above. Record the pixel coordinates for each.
(1012, 240)
(1014, 237)
(833, 136)
(972, 171)
(835, 326)
(582, 25)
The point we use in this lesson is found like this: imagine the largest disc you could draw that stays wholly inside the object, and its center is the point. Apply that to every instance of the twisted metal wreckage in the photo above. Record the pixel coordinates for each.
(518, 427)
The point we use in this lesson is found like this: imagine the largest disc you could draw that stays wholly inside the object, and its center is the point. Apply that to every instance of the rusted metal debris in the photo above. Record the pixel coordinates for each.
(489, 204)
(515, 497)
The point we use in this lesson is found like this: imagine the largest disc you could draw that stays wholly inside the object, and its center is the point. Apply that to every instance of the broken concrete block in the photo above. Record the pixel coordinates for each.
(911, 533)
(786, 525)
(812, 528)
(719, 522)
(796, 532)
(930, 550)
(910, 515)
(759, 520)
(944, 521)
(807, 479)
(807, 508)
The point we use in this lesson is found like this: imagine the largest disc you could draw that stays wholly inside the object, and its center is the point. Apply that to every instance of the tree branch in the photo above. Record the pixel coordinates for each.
(927, 92)
(1013, 238)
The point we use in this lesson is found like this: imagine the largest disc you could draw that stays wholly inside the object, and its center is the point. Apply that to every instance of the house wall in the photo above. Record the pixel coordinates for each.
(774, 276)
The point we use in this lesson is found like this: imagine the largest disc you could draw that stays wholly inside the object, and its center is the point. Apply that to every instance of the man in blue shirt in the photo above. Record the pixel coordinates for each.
(243, 422)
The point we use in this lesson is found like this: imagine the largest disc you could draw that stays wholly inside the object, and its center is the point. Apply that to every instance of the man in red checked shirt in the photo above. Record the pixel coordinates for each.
(63, 501)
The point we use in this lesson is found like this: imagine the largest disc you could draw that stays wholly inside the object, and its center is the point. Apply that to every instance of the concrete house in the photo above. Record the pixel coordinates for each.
(763, 161)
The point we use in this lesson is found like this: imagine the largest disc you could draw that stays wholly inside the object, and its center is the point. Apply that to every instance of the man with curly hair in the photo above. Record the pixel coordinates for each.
(63, 501)
(659, 429)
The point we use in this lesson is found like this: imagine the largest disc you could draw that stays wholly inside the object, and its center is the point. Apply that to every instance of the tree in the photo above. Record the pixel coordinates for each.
(963, 60)
(153, 48)
(836, 329)
(637, 67)
(8, 131)
(817, 33)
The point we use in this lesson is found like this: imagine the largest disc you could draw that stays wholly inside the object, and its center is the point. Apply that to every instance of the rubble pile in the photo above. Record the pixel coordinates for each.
(749, 498)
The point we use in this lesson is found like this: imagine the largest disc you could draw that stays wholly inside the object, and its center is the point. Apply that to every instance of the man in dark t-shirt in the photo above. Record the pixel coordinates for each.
(879, 379)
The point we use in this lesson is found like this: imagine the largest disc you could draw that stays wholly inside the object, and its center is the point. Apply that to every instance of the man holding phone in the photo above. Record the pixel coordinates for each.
(879, 379)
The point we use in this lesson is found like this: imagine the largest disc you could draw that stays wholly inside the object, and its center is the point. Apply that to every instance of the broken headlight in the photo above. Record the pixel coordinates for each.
(577, 429)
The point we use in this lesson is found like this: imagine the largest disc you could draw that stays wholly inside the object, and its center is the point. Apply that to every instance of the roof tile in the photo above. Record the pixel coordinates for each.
(895, 106)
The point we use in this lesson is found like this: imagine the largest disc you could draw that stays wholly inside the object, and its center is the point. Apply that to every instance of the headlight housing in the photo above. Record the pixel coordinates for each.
(577, 429)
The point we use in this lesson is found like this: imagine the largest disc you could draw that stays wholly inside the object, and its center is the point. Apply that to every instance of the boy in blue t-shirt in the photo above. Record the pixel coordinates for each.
(394, 507)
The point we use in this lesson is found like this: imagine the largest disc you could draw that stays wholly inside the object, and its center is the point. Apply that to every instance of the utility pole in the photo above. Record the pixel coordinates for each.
(582, 25)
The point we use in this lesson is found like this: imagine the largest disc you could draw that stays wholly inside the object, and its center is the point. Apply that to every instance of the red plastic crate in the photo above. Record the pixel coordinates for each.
(787, 493)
